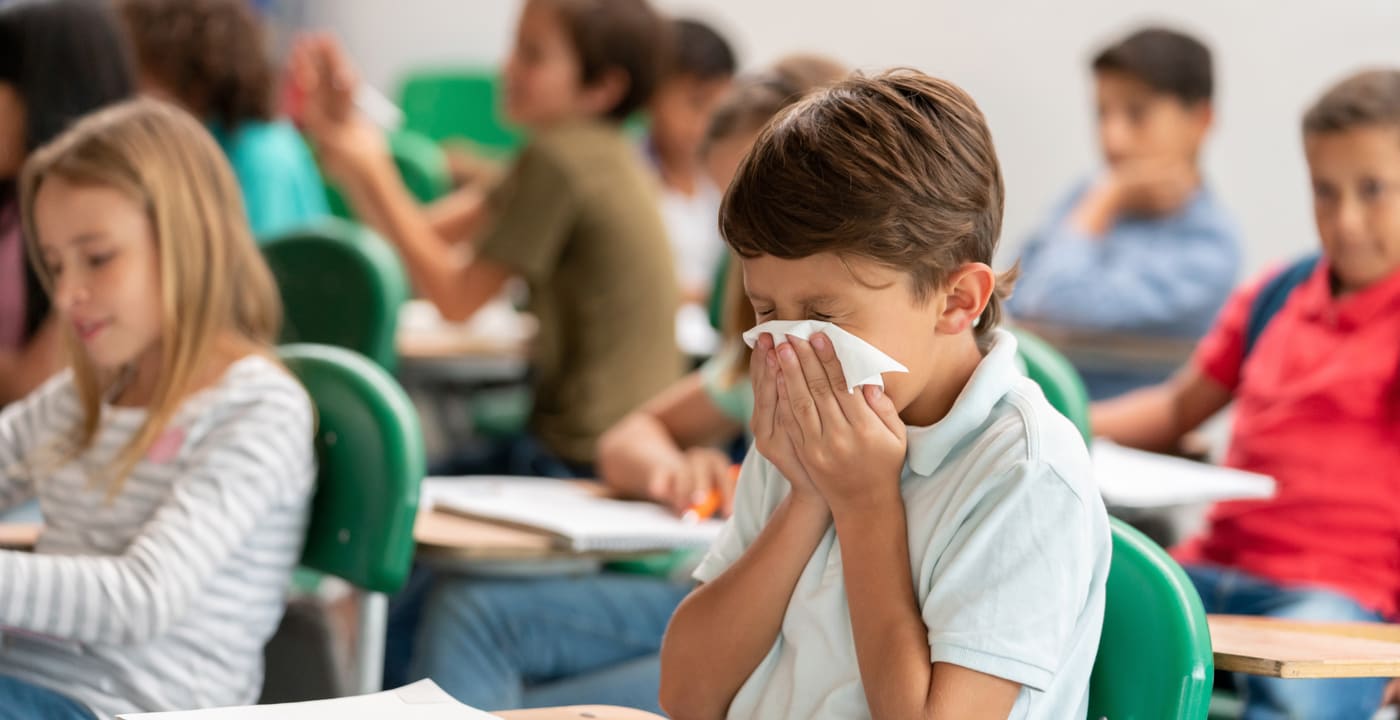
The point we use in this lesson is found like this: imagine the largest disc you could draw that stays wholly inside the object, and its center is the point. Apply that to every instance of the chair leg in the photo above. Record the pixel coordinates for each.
(369, 661)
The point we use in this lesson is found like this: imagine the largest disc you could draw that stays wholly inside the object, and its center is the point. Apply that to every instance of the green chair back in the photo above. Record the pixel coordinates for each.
(370, 453)
(341, 285)
(1154, 660)
(422, 166)
(1057, 378)
(463, 103)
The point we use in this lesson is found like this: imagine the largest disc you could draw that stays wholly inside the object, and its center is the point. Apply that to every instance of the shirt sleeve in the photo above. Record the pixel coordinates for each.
(258, 461)
(1006, 595)
(1138, 276)
(752, 508)
(30, 429)
(732, 395)
(1220, 354)
(530, 214)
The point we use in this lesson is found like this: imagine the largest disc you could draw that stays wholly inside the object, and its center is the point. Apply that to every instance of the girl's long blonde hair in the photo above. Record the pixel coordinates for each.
(213, 280)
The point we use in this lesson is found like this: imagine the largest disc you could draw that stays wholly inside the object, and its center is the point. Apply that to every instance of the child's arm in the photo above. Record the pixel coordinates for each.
(354, 153)
(725, 628)
(892, 645)
(252, 465)
(1156, 418)
(663, 451)
(721, 633)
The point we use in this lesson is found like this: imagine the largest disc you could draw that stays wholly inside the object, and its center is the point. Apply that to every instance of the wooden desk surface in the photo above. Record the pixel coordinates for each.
(588, 712)
(1294, 649)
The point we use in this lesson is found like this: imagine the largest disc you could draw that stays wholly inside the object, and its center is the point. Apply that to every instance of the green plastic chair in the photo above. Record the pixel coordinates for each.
(446, 103)
(1057, 378)
(341, 285)
(1155, 660)
(371, 462)
(422, 166)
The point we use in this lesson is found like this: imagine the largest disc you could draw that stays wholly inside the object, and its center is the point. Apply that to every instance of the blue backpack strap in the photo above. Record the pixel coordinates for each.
(1272, 297)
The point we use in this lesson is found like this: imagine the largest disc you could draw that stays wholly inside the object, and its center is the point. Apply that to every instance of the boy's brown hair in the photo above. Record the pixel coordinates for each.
(210, 54)
(626, 35)
(1367, 99)
(1169, 62)
(898, 168)
(757, 97)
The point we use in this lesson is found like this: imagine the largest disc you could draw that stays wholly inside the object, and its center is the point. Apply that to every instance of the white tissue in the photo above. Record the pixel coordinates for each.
(862, 363)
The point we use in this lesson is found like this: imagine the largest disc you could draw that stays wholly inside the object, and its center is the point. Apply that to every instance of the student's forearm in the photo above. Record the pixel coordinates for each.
(630, 452)
(1145, 419)
(725, 628)
(435, 265)
(891, 640)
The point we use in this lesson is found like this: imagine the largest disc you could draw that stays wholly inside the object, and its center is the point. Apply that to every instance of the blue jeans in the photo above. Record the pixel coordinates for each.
(497, 643)
(1232, 592)
(20, 700)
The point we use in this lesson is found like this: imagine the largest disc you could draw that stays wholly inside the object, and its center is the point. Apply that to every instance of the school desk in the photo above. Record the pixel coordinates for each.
(1297, 649)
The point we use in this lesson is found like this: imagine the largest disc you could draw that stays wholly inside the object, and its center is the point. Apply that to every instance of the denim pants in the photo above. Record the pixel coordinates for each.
(500, 643)
(1232, 592)
(20, 700)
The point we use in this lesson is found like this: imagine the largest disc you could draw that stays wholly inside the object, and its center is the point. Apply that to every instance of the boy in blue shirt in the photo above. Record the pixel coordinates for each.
(1144, 248)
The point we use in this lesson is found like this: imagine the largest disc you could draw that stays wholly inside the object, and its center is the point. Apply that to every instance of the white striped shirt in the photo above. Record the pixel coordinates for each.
(162, 598)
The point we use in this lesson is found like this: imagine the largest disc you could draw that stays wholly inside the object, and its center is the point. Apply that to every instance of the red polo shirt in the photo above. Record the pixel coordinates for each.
(1317, 406)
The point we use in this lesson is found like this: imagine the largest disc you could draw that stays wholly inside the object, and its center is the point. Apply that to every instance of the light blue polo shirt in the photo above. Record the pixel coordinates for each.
(1009, 546)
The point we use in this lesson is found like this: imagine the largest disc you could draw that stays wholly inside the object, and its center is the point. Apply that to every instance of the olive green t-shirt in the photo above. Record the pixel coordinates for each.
(577, 217)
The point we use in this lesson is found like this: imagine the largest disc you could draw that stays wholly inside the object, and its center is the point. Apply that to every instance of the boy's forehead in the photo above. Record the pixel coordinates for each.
(1374, 144)
(823, 276)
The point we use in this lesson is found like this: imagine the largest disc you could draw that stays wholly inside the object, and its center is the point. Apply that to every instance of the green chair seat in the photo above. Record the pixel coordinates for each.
(446, 103)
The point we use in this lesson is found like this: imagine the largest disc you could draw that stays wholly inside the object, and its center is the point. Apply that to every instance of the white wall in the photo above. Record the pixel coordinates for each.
(1023, 60)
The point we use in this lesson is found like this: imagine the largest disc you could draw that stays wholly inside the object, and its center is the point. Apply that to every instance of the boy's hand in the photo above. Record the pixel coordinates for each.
(322, 97)
(852, 446)
(772, 419)
(1154, 186)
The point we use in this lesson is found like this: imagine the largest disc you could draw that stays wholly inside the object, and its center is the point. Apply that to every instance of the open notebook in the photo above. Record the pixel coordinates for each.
(1130, 478)
(579, 519)
(422, 700)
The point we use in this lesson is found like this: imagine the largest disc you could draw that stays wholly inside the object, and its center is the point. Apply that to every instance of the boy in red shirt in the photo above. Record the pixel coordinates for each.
(1311, 358)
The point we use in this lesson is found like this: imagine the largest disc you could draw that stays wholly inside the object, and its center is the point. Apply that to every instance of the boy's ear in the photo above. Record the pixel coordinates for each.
(604, 93)
(965, 296)
(1202, 114)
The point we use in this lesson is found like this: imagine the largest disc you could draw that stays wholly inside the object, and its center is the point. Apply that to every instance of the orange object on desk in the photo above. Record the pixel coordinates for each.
(706, 509)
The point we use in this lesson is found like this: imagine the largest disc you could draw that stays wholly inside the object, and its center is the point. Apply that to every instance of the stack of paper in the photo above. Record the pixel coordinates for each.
(422, 700)
(579, 519)
(1130, 478)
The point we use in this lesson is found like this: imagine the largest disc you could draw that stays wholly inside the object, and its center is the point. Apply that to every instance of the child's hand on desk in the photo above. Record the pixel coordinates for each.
(771, 420)
(321, 97)
(699, 471)
(851, 445)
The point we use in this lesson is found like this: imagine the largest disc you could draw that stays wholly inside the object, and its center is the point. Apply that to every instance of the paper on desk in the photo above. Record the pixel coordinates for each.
(1130, 478)
(861, 361)
(581, 519)
(422, 700)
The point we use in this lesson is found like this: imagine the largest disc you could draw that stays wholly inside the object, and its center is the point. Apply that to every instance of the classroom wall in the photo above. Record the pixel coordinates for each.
(1024, 61)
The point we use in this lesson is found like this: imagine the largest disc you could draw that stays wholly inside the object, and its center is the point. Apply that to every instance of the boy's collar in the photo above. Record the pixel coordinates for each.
(993, 378)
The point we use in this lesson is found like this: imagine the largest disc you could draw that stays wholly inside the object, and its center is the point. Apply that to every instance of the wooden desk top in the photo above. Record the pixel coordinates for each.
(1294, 649)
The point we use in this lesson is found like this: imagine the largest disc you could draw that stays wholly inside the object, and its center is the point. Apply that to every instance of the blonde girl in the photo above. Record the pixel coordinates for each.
(173, 459)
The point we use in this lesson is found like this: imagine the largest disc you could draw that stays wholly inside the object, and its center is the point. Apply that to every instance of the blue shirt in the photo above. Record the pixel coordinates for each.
(282, 189)
(1157, 276)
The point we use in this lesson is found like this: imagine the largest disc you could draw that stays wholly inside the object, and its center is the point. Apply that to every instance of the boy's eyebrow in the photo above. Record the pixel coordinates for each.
(805, 300)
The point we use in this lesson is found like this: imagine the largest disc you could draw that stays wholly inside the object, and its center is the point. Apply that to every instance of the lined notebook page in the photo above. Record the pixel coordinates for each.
(1129, 478)
(582, 521)
(422, 700)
